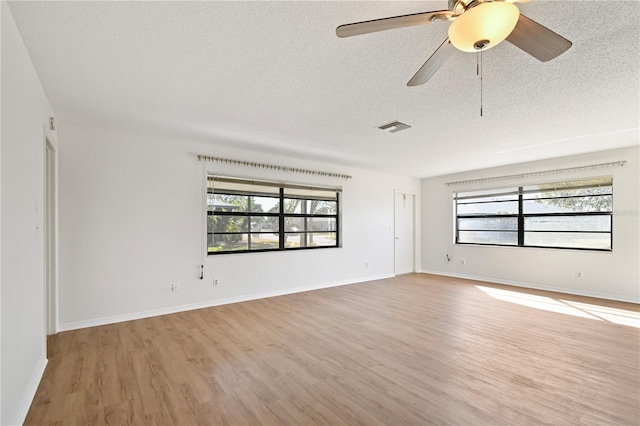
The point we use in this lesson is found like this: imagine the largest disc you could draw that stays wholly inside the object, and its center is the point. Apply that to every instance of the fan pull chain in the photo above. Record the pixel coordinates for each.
(479, 46)
(481, 82)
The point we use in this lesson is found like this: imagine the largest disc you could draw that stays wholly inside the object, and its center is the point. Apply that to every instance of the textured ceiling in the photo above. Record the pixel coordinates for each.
(273, 77)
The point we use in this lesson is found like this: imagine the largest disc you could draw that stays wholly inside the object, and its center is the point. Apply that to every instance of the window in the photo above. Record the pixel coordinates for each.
(248, 216)
(571, 215)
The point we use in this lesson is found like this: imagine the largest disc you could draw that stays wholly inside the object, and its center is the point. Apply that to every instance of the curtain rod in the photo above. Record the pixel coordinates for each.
(271, 167)
(540, 173)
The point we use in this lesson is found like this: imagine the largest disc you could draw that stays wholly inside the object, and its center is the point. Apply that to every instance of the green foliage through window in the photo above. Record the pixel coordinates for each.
(573, 214)
(245, 216)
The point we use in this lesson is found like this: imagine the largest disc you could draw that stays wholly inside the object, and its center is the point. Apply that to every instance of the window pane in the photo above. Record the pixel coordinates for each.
(488, 237)
(227, 224)
(506, 207)
(263, 241)
(293, 205)
(265, 224)
(228, 242)
(246, 215)
(322, 207)
(265, 204)
(568, 223)
(298, 206)
(227, 203)
(293, 224)
(294, 240)
(317, 239)
(568, 240)
(321, 224)
(553, 213)
(569, 205)
(488, 223)
(310, 239)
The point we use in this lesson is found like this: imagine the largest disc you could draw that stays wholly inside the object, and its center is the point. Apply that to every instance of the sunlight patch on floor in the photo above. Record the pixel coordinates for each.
(617, 316)
(568, 307)
(539, 302)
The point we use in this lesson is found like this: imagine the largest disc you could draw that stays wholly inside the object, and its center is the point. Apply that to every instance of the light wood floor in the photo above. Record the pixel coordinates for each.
(416, 349)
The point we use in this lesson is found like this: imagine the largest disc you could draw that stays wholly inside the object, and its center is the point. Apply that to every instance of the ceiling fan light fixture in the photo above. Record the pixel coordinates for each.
(488, 23)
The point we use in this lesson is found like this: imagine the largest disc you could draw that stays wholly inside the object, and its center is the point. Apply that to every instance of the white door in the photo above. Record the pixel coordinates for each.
(403, 232)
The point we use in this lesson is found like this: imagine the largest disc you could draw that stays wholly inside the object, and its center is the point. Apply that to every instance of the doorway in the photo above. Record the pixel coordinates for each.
(404, 232)
(50, 239)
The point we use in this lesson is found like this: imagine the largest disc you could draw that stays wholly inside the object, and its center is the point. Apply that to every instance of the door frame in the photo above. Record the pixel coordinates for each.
(50, 229)
(413, 227)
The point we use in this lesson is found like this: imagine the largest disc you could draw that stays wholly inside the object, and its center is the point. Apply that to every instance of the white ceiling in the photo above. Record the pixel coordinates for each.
(274, 78)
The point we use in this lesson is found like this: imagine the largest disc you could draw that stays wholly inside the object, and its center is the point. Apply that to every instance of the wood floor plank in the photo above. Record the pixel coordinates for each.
(415, 349)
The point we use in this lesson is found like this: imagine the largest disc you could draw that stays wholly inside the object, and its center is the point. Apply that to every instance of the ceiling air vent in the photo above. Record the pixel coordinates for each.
(394, 127)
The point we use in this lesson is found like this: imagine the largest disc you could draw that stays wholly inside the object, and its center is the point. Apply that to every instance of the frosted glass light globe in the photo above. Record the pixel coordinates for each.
(491, 21)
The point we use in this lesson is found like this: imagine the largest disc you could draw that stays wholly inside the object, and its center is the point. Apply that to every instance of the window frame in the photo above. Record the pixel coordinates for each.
(281, 215)
(521, 215)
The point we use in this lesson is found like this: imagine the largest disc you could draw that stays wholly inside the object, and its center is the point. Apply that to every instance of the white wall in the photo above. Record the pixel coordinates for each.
(1, 25)
(130, 221)
(614, 275)
(25, 111)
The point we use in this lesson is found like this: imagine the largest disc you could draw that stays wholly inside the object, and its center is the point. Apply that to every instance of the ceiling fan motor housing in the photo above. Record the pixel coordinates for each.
(459, 6)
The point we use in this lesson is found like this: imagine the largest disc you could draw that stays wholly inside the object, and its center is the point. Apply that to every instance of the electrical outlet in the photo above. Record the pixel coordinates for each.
(175, 287)
(215, 282)
(366, 265)
(463, 262)
(579, 275)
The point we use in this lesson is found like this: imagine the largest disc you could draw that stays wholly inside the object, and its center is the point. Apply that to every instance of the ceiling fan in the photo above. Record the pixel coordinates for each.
(476, 25)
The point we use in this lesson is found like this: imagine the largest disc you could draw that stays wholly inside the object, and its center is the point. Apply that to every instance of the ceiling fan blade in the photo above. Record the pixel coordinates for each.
(433, 64)
(365, 27)
(537, 40)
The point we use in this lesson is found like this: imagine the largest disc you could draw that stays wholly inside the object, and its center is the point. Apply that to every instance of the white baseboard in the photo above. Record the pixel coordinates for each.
(536, 286)
(210, 303)
(30, 392)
